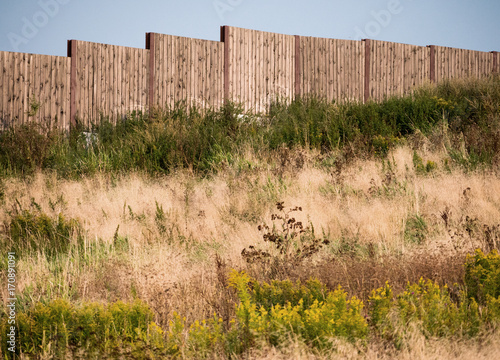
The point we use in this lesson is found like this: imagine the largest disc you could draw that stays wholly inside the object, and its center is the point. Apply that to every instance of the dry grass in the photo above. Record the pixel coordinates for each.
(363, 209)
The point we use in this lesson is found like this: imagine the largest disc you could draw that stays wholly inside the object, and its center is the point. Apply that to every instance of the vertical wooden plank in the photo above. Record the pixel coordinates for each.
(329, 69)
(94, 105)
(110, 88)
(280, 67)
(399, 73)
(173, 64)
(144, 79)
(210, 87)
(198, 61)
(314, 65)
(52, 62)
(261, 74)
(58, 98)
(8, 87)
(3, 90)
(228, 62)
(135, 84)
(186, 70)
(176, 65)
(249, 71)
(265, 67)
(119, 103)
(85, 87)
(163, 71)
(103, 88)
(432, 63)
(339, 62)
(42, 87)
(47, 64)
(16, 94)
(25, 68)
(272, 69)
(77, 86)
(190, 66)
(126, 81)
(308, 66)
(21, 85)
(180, 66)
(367, 69)
(303, 63)
(67, 93)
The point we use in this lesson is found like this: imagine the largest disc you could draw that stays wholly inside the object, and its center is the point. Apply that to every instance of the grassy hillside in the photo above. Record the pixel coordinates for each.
(317, 231)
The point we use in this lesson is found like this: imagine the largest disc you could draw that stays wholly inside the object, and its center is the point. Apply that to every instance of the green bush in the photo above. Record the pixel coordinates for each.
(416, 229)
(431, 306)
(328, 315)
(28, 147)
(59, 327)
(482, 276)
(34, 231)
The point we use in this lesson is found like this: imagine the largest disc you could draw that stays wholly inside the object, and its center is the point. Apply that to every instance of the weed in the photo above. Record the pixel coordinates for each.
(60, 328)
(291, 240)
(416, 229)
(32, 231)
(482, 276)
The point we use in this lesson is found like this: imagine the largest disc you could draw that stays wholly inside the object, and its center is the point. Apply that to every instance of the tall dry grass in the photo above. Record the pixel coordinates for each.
(171, 240)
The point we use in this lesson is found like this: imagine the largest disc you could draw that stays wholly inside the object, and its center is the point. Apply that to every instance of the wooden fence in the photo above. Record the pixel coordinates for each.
(395, 69)
(260, 67)
(247, 66)
(333, 69)
(108, 80)
(34, 87)
(185, 69)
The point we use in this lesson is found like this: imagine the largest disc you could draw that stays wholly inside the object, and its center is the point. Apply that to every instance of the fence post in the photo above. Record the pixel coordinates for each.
(224, 38)
(298, 73)
(495, 62)
(72, 53)
(150, 45)
(367, 69)
(432, 57)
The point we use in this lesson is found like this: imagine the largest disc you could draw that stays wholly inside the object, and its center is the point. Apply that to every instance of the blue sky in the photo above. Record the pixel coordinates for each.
(44, 26)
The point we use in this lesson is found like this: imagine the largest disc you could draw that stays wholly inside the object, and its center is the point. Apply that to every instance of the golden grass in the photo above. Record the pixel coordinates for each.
(368, 204)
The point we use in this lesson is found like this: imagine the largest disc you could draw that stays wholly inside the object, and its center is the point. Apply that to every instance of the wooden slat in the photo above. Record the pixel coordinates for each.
(3, 90)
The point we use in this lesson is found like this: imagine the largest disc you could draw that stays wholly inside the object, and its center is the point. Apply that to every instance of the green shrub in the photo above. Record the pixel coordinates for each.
(415, 229)
(431, 306)
(34, 231)
(28, 147)
(482, 276)
(380, 304)
(328, 315)
(59, 327)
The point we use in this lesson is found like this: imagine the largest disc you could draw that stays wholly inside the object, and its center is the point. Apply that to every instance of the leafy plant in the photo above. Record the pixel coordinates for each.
(59, 327)
(34, 231)
(291, 240)
(310, 313)
(482, 276)
(416, 229)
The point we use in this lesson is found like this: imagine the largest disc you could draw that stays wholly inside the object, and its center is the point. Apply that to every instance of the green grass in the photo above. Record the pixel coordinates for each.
(182, 137)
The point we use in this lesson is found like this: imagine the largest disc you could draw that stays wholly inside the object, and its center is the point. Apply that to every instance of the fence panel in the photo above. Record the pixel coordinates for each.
(331, 68)
(188, 70)
(397, 69)
(111, 81)
(459, 63)
(34, 88)
(260, 67)
(248, 66)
